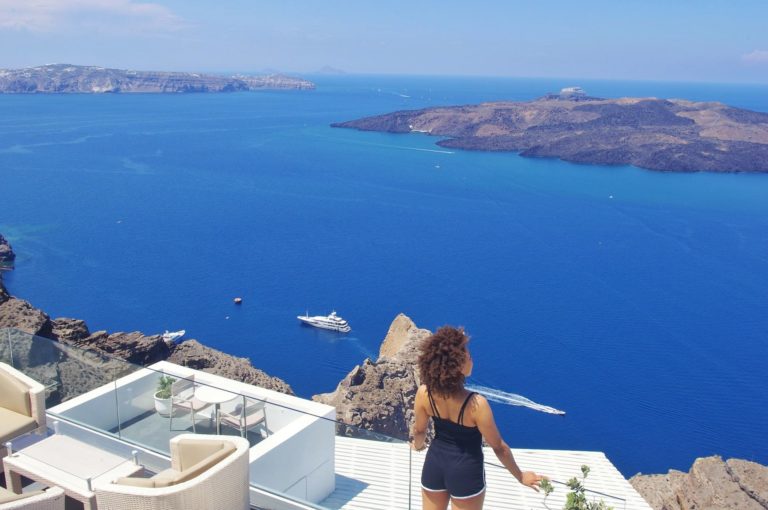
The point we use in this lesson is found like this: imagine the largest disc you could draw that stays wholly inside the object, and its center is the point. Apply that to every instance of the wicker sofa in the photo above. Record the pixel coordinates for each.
(22, 405)
(206, 472)
(49, 499)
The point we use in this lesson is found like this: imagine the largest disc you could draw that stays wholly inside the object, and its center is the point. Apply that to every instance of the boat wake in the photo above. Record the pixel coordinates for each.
(512, 399)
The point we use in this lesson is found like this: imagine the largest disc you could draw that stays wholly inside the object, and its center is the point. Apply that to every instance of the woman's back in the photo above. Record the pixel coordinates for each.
(450, 408)
(454, 426)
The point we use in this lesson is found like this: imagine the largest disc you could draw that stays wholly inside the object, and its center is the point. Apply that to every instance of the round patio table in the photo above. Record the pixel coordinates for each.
(215, 396)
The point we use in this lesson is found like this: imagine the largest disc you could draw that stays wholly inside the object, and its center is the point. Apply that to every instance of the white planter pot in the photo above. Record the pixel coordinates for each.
(162, 406)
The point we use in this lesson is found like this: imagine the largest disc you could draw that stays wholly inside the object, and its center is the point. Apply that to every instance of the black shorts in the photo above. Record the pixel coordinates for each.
(447, 468)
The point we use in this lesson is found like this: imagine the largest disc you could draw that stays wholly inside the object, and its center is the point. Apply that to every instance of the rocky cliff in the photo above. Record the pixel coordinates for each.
(711, 484)
(6, 254)
(378, 395)
(657, 134)
(65, 78)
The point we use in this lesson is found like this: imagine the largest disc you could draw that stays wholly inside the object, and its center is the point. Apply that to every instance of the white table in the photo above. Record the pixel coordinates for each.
(215, 396)
(71, 464)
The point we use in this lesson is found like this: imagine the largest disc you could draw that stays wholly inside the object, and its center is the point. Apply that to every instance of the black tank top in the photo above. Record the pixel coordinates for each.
(456, 433)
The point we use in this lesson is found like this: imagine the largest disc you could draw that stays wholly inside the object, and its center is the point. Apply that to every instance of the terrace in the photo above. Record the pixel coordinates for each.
(299, 455)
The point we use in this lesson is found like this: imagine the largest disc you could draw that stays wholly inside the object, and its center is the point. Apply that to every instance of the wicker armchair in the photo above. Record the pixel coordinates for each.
(207, 472)
(22, 405)
(49, 499)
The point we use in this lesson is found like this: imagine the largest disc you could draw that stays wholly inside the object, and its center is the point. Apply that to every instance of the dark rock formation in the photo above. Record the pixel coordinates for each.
(132, 347)
(70, 331)
(657, 134)
(4, 296)
(19, 314)
(65, 78)
(710, 484)
(378, 396)
(195, 355)
(6, 254)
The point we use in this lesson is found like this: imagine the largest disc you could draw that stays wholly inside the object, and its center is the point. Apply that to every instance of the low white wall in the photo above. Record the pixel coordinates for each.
(298, 460)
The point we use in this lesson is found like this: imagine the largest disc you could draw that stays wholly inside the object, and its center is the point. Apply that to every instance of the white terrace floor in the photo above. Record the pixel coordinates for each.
(373, 475)
(376, 475)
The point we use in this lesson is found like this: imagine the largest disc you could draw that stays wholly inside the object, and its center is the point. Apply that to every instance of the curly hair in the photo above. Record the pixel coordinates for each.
(441, 360)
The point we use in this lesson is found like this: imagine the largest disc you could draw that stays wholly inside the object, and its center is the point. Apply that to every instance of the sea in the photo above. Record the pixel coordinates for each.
(634, 300)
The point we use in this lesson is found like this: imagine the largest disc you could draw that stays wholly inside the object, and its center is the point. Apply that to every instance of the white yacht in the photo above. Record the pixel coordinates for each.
(332, 321)
(172, 336)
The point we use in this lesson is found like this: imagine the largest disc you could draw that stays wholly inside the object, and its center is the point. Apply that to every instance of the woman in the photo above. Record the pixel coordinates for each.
(453, 469)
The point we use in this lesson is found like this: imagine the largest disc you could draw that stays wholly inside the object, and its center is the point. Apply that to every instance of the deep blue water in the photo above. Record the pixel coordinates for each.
(642, 315)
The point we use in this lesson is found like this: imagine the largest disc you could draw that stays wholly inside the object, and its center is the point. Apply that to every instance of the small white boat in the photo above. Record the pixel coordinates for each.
(332, 322)
(172, 336)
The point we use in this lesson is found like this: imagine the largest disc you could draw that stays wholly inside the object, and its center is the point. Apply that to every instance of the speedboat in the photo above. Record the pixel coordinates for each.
(332, 322)
(172, 336)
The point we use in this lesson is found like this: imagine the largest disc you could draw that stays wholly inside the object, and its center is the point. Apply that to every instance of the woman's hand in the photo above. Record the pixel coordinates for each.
(531, 479)
(420, 448)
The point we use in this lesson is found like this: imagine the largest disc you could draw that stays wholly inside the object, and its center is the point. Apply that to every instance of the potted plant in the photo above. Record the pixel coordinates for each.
(163, 395)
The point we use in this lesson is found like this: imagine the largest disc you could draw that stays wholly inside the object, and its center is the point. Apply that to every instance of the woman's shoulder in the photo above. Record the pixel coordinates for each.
(478, 401)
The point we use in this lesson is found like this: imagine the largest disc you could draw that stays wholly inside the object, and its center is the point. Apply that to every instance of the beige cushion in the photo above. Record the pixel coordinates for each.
(14, 394)
(205, 464)
(215, 453)
(13, 424)
(193, 451)
(221, 450)
(7, 496)
(165, 478)
(135, 481)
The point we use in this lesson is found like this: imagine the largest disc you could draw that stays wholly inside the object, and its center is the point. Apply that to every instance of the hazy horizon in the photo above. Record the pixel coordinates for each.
(595, 39)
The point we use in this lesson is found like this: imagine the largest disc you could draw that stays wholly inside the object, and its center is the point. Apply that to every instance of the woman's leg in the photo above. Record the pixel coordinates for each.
(434, 500)
(473, 503)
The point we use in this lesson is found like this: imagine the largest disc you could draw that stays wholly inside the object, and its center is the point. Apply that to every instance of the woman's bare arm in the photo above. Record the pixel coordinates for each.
(419, 431)
(487, 425)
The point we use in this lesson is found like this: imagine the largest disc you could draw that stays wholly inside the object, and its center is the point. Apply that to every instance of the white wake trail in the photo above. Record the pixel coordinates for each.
(512, 399)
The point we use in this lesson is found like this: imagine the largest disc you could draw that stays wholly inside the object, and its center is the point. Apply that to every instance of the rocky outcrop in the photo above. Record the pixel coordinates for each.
(132, 347)
(65, 78)
(4, 296)
(19, 314)
(378, 395)
(195, 355)
(70, 331)
(657, 134)
(6, 254)
(710, 484)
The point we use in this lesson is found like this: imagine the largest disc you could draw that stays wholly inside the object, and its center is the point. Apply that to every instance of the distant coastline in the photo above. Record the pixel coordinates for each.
(75, 79)
(655, 134)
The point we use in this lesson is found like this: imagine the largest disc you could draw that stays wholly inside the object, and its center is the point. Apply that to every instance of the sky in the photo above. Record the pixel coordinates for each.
(675, 40)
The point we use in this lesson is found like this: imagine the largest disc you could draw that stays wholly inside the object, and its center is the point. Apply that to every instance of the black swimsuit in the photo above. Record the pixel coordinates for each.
(454, 460)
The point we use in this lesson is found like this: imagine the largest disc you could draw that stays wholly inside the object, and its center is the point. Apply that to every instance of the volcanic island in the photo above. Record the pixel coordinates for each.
(674, 135)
